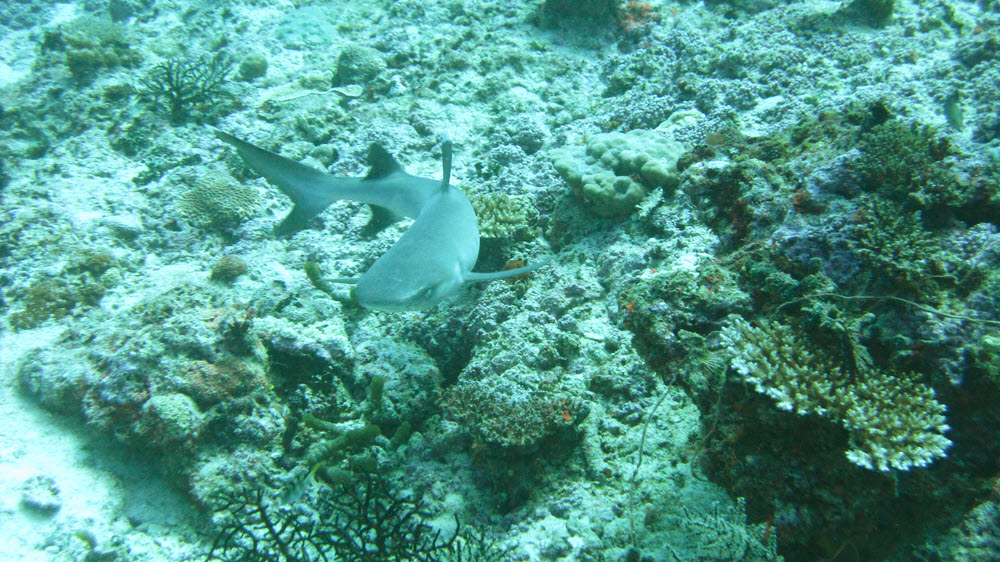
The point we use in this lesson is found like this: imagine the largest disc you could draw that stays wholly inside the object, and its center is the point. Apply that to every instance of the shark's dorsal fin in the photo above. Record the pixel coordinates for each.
(382, 162)
(446, 161)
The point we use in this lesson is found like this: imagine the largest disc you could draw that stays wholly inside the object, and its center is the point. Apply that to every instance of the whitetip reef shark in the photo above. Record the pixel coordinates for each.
(432, 259)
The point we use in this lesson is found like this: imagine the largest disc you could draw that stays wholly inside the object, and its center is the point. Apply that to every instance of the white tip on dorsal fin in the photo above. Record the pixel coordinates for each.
(446, 161)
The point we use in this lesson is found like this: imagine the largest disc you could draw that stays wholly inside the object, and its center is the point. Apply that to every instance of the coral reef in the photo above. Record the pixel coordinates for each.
(358, 64)
(828, 174)
(359, 517)
(41, 495)
(53, 299)
(92, 44)
(79, 286)
(217, 201)
(507, 416)
(895, 423)
(228, 269)
(509, 217)
(615, 171)
(909, 164)
(187, 83)
(253, 66)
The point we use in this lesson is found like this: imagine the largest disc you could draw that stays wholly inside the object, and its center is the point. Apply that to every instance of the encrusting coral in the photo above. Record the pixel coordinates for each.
(615, 171)
(894, 423)
(90, 45)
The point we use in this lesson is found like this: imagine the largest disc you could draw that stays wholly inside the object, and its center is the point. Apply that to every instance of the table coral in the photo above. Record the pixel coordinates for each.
(894, 423)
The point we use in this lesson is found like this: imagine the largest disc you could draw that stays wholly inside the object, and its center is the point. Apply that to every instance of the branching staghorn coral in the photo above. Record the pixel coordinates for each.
(894, 423)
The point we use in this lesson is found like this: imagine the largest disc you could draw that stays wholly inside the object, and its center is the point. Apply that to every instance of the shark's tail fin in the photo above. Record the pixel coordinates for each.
(308, 188)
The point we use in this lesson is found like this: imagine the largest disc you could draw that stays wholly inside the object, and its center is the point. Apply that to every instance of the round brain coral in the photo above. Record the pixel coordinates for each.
(358, 64)
(615, 171)
(219, 201)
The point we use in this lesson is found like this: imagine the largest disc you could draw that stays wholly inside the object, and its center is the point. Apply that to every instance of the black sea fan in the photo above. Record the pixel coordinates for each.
(360, 518)
(369, 521)
(184, 83)
(256, 528)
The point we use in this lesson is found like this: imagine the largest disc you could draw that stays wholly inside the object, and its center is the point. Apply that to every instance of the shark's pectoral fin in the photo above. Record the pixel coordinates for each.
(475, 277)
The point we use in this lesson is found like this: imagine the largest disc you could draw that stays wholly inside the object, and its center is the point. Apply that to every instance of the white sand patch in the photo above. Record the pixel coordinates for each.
(107, 501)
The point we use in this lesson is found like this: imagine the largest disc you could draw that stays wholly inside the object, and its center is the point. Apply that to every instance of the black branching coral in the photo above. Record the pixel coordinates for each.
(185, 82)
(359, 518)
(256, 528)
(372, 522)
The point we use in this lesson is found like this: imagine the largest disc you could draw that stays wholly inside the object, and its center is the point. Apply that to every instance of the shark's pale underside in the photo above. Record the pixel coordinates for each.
(434, 256)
